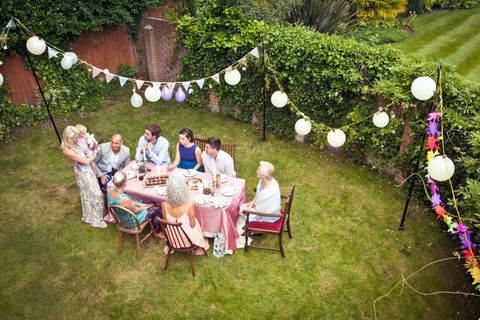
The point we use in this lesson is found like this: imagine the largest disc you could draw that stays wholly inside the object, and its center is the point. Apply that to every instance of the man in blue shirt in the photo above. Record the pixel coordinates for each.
(152, 147)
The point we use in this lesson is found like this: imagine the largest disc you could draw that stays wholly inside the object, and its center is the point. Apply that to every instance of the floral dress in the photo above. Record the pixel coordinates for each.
(93, 207)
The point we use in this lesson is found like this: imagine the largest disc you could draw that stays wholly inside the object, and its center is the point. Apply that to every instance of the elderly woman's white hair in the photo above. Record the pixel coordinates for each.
(177, 192)
(119, 179)
(267, 169)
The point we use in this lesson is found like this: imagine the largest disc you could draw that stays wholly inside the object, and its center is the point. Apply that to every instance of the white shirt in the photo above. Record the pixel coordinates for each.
(223, 164)
(113, 161)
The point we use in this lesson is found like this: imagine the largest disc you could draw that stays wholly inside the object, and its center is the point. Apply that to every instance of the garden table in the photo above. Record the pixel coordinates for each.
(212, 220)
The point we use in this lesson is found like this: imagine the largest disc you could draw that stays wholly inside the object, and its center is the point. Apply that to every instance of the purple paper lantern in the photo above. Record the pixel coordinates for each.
(166, 93)
(180, 95)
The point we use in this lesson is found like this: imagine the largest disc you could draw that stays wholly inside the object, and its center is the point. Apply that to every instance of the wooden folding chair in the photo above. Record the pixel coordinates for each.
(178, 241)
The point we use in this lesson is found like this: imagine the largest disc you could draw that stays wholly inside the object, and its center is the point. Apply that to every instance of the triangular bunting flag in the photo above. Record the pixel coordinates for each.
(10, 24)
(52, 53)
(200, 82)
(95, 71)
(216, 77)
(122, 81)
(139, 84)
(186, 85)
(108, 76)
(157, 84)
(171, 85)
(255, 53)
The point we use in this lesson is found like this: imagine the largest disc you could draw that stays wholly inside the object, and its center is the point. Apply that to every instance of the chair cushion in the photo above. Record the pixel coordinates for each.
(272, 226)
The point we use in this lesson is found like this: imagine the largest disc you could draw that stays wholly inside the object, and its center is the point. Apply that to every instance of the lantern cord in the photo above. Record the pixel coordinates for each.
(404, 282)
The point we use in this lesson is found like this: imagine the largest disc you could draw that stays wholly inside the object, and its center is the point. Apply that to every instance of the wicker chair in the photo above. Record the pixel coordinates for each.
(277, 228)
(128, 223)
(178, 241)
(227, 147)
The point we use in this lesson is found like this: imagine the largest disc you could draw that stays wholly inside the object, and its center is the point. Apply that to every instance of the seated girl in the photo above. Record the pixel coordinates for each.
(188, 154)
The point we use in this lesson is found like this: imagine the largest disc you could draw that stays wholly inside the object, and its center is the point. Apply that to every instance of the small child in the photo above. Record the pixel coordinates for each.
(86, 142)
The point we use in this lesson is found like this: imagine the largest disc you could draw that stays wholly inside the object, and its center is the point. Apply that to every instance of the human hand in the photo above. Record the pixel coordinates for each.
(103, 178)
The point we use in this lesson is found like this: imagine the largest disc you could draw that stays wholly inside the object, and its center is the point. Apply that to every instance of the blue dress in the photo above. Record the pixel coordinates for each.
(140, 215)
(187, 157)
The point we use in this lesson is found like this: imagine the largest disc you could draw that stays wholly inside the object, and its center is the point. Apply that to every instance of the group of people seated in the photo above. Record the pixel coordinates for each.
(101, 163)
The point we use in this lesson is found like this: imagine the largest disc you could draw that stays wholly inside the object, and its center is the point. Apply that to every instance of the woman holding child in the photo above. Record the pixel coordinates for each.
(93, 208)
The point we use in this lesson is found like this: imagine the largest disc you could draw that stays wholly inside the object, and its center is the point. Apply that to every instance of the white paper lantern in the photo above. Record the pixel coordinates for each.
(153, 94)
(336, 138)
(279, 99)
(73, 56)
(232, 77)
(66, 62)
(423, 88)
(36, 46)
(1, 79)
(303, 126)
(441, 168)
(136, 100)
(380, 119)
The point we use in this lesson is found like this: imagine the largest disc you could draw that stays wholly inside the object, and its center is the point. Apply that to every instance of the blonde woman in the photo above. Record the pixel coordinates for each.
(93, 208)
(179, 208)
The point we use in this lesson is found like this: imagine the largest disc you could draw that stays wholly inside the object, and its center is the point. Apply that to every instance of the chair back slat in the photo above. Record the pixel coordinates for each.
(288, 204)
(177, 238)
(125, 217)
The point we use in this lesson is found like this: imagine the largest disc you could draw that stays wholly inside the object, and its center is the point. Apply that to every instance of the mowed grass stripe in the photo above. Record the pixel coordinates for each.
(449, 42)
(466, 56)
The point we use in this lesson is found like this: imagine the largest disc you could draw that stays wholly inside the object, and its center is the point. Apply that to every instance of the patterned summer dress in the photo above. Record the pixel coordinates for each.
(93, 208)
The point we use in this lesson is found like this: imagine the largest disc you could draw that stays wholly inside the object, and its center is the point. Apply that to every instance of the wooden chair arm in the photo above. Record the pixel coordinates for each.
(262, 214)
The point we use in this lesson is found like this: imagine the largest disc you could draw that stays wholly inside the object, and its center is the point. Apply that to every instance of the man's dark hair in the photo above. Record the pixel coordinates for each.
(215, 143)
(154, 129)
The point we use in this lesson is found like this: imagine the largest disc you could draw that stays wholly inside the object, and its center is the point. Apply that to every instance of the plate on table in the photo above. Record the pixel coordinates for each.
(134, 166)
(161, 190)
(223, 178)
(193, 183)
(190, 173)
(130, 175)
(228, 191)
(202, 199)
(218, 202)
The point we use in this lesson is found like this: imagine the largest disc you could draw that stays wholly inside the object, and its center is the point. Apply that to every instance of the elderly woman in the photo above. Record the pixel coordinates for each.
(179, 208)
(188, 154)
(93, 208)
(117, 196)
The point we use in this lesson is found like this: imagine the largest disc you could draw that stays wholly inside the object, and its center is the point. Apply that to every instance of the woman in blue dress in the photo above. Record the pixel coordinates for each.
(188, 154)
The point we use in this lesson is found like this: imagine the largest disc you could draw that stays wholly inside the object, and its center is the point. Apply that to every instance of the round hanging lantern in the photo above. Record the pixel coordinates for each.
(423, 88)
(167, 93)
(36, 46)
(66, 62)
(180, 95)
(153, 94)
(336, 138)
(73, 56)
(279, 99)
(303, 126)
(232, 77)
(136, 100)
(380, 119)
(1, 79)
(441, 168)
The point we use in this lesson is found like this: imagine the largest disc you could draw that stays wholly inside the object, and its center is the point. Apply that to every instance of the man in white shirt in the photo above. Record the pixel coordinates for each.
(152, 147)
(111, 156)
(216, 160)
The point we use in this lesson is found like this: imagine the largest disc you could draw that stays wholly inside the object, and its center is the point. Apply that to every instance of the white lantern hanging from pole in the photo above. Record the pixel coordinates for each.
(73, 56)
(232, 77)
(279, 99)
(153, 94)
(380, 119)
(441, 168)
(36, 46)
(136, 100)
(1, 79)
(423, 88)
(66, 62)
(336, 138)
(303, 126)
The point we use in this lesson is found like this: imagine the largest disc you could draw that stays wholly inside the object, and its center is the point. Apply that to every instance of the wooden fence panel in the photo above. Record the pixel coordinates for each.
(20, 81)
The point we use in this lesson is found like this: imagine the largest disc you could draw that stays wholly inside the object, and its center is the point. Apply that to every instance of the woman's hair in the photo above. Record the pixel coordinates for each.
(119, 179)
(81, 129)
(267, 169)
(154, 129)
(187, 133)
(177, 192)
(67, 138)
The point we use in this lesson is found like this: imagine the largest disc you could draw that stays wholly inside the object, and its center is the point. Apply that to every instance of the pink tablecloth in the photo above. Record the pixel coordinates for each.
(212, 220)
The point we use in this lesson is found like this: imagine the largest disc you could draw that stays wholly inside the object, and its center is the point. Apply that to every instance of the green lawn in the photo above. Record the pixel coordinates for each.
(449, 36)
(345, 252)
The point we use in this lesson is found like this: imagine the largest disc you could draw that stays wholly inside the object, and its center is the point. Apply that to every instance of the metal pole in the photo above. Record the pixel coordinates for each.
(417, 164)
(264, 136)
(37, 80)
